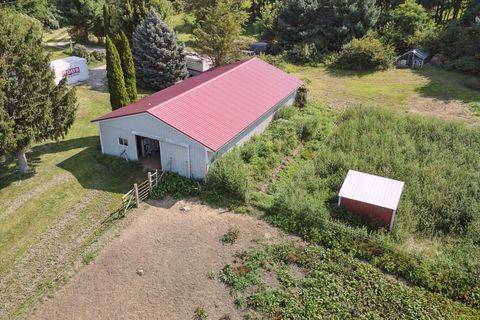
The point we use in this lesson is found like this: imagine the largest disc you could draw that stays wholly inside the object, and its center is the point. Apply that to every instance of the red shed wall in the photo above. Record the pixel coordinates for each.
(374, 213)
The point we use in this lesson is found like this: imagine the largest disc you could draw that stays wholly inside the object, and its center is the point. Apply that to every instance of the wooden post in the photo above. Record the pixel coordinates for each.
(149, 181)
(137, 199)
(156, 177)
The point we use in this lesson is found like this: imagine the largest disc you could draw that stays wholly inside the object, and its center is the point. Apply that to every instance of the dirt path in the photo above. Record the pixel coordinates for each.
(176, 251)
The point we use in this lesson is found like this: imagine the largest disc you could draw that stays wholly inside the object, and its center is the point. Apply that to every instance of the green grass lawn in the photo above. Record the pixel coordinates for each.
(404, 89)
(70, 188)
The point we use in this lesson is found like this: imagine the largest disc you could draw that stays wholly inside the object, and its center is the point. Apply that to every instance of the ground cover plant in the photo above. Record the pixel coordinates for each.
(50, 215)
(176, 186)
(435, 240)
(439, 163)
(292, 281)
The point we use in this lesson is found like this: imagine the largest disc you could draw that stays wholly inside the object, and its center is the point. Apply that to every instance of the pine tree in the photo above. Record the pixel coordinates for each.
(159, 58)
(33, 109)
(116, 81)
(219, 30)
(128, 67)
(325, 24)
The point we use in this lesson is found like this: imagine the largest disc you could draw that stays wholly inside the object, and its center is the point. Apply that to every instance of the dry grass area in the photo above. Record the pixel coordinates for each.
(161, 267)
(429, 91)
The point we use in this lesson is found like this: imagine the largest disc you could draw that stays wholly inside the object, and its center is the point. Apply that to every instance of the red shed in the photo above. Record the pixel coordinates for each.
(371, 196)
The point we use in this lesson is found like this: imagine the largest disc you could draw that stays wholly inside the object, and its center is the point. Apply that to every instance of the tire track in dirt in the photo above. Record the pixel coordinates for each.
(47, 257)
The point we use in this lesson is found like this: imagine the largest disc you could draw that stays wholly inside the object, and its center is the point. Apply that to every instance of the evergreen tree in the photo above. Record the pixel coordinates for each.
(107, 19)
(219, 31)
(82, 15)
(116, 80)
(128, 67)
(324, 24)
(159, 58)
(33, 109)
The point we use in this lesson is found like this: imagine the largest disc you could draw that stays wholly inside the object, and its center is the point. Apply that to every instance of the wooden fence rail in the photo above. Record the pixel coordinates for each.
(140, 191)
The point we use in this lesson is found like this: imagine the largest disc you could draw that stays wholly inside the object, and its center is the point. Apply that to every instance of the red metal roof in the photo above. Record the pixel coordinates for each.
(214, 107)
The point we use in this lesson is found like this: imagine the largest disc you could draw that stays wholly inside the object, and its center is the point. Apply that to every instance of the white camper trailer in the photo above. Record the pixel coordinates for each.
(74, 68)
(197, 64)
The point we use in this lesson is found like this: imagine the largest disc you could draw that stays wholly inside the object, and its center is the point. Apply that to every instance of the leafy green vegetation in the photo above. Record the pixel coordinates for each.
(367, 53)
(70, 192)
(230, 236)
(289, 281)
(176, 186)
(438, 160)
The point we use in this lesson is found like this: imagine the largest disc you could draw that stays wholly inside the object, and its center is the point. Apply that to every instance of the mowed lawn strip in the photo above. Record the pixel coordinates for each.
(68, 177)
(404, 89)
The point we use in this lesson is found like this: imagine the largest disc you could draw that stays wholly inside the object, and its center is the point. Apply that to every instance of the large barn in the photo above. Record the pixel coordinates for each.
(185, 127)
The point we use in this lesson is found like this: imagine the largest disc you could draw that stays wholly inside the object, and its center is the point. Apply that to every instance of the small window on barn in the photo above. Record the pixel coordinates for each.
(123, 142)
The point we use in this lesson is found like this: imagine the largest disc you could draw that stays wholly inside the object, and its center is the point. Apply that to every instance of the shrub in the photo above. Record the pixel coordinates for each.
(406, 25)
(176, 186)
(228, 176)
(465, 64)
(300, 198)
(301, 98)
(472, 83)
(367, 53)
(98, 55)
(81, 51)
(230, 236)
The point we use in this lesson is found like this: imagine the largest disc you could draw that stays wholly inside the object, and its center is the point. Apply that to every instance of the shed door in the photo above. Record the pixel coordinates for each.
(175, 158)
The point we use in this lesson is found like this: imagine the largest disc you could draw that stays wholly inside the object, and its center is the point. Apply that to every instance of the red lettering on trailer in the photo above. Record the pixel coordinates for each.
(71, 72)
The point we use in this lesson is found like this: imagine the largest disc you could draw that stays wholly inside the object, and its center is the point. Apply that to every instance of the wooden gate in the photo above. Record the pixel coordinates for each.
(140, 192)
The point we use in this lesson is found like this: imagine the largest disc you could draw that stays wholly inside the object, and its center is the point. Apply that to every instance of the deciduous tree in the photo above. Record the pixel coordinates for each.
(219, 30)
(83, 15)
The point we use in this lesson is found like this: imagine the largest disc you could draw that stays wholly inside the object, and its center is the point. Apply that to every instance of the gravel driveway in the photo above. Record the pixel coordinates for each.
(157, 268)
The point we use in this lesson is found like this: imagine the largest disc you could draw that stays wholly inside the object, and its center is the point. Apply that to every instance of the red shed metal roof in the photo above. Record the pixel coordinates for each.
(372, 189)
(216, 106)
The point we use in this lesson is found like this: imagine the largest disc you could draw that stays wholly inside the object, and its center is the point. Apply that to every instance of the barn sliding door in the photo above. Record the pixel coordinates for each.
(175, 158)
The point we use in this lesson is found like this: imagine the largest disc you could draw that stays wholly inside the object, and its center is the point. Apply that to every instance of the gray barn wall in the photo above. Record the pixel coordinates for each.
(112, 129)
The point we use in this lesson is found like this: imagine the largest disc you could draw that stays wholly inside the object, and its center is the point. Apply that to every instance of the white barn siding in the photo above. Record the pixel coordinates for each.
(178, 152)
(175, 147)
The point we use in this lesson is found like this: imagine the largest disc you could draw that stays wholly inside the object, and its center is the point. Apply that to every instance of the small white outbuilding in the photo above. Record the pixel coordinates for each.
(371, 196)
(74, 68)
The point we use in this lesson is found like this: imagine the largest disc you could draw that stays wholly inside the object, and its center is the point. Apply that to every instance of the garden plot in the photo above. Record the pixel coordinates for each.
(162, 266)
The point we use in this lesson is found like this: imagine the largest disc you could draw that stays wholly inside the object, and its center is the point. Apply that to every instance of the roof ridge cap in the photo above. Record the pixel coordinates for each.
(149, 110)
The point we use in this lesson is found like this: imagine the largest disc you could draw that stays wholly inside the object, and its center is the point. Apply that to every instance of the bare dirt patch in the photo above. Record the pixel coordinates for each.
(159, 267)
(443, 109)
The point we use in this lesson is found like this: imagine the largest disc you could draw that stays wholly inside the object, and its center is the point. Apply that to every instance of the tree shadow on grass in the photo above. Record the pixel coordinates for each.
(9, 172)
(448, 86)
(340, 73)
(94, 170)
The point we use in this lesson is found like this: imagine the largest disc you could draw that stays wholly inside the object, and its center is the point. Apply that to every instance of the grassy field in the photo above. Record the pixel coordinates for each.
(52, 213)
(295, 170)
(431, 91)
